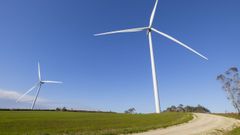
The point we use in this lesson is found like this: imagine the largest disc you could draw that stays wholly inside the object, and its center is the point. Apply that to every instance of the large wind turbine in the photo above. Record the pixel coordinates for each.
(38, 85)
(149, 30)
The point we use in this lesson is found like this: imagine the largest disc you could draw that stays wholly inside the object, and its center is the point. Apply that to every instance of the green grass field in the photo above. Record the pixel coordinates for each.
(236, 131)
(75, 123)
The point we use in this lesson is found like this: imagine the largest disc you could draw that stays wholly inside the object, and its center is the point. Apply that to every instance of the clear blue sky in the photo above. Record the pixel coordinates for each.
(113, 72)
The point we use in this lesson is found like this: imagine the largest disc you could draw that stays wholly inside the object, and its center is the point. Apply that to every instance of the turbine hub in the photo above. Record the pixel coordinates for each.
(149, 30)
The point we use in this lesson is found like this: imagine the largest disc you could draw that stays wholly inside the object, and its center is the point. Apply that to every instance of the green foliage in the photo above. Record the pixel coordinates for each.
(130, 111)
(236, 131)
(231, 84)
(64, 109)
(76, 123)
(182, 108)
(58, 109)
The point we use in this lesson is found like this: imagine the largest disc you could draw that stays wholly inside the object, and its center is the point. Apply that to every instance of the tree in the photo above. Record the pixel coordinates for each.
(201, 109)
(172, 109)
(58, 109)
(181, 108)
(64, 109)
(130, 111)
(188, 109)
(231, 85)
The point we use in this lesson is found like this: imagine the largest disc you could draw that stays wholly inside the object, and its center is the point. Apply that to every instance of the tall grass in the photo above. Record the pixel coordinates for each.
(235, 131)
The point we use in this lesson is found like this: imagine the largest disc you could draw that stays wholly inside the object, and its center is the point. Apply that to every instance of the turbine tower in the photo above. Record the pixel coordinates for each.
(149, 30)
(38, 85)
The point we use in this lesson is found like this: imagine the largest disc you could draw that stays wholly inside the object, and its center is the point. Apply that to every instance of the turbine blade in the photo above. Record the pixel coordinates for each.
(153, 14)
(39, 72)
(35, 99)
(31, 89)
(122, 31)
(54, 82)
(180, 43)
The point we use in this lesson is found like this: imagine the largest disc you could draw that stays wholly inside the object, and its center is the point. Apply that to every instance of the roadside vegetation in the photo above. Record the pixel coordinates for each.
(230, 81)
(231, 85)
(84, 123)
(235, 131)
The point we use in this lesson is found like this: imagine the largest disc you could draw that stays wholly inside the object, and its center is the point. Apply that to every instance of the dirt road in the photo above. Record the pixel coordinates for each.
(202, 124)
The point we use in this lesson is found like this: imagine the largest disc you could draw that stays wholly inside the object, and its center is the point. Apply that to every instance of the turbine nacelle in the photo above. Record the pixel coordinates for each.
(41, 82)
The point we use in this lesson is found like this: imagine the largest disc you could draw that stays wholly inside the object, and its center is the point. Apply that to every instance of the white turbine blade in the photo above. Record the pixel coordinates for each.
(122, 31)
(35, 99)
(31, 89)
(54, 82)
(39, 72)
(180, 43)
(153, 14)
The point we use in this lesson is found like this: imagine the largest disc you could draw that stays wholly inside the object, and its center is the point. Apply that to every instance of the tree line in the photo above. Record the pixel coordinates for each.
(182, 108)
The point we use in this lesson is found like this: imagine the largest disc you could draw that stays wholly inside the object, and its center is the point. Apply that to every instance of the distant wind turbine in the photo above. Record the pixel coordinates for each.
(149, 30)
(38, 85)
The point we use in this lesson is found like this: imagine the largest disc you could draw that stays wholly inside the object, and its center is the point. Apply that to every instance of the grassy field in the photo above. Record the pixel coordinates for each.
(236, 131)
(75, 123)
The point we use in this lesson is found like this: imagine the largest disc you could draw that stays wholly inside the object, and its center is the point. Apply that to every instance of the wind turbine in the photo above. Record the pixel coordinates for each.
(149, 30)
(38, 85)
